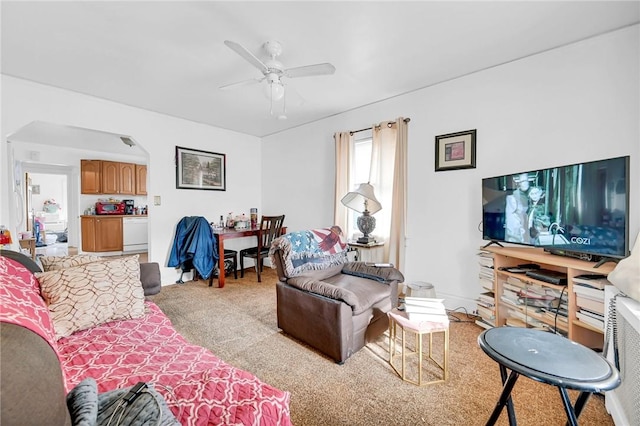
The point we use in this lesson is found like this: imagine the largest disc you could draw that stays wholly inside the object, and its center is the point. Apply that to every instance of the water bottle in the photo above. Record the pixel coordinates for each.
(36, 231)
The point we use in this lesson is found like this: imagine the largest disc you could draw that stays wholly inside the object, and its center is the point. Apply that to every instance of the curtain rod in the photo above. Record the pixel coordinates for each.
(389, 124)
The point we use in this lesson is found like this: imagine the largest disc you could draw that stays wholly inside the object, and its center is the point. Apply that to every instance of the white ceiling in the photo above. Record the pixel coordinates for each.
(170, 57)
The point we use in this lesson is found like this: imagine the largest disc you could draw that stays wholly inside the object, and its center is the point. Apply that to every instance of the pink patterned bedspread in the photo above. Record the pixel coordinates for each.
(199, 388)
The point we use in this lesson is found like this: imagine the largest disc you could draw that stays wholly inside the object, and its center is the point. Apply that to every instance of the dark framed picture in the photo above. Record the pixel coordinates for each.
(196, 169)
(456, 151)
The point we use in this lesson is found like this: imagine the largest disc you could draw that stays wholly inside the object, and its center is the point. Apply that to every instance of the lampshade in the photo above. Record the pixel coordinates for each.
(362, 199)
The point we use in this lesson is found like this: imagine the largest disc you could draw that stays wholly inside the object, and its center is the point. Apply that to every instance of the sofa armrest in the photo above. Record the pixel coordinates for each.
(361, 269)
(32, 380)
(25, 261)
(150, 278)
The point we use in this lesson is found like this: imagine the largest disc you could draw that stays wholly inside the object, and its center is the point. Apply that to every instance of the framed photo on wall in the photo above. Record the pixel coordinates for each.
(456, 151)
(196, 169)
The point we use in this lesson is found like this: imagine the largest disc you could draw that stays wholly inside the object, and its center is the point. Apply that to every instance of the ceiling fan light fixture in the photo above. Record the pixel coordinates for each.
(274, 90)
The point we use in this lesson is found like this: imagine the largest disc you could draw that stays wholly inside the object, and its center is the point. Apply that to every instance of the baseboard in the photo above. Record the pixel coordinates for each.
(454, 302)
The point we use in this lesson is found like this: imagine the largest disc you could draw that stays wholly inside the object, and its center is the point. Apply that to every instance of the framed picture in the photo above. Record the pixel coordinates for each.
(196, 169)
(456, 151)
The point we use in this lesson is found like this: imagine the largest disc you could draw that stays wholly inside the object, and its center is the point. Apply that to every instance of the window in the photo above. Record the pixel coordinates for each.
(360, 167)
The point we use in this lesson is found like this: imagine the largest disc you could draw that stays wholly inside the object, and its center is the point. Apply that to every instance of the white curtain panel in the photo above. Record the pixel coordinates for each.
(344, 152)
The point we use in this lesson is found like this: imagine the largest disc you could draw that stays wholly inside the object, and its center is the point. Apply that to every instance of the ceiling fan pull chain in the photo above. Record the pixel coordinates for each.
(271, 99)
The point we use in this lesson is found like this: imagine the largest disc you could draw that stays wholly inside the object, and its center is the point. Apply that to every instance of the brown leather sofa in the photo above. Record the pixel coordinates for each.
(337, 306)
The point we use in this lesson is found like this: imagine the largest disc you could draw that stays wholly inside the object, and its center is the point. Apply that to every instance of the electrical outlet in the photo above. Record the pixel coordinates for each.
(156, 200)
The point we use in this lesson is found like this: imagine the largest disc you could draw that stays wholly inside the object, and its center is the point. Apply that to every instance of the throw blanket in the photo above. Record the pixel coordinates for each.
(310, 250)
(199, 388)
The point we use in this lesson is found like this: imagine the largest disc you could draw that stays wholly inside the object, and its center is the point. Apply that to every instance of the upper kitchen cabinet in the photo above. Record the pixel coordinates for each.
(141, 179)
(127, 178)
(112, 177)
(91, 176)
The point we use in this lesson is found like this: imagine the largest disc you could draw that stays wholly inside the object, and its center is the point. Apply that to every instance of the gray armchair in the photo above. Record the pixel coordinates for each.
(325, 301)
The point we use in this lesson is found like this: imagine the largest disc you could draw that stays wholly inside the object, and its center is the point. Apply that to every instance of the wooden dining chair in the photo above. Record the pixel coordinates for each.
(270, 229)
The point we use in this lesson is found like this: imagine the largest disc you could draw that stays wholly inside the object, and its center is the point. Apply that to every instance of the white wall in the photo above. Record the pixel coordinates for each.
(49, 187)
(576, 103)
(24, 102)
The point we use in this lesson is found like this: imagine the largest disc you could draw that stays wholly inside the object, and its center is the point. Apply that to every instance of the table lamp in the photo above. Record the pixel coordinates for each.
(364, 201)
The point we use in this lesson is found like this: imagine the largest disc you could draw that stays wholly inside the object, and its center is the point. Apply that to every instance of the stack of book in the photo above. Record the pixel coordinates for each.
(589, 291)
(485, 259)
(511, 289)
(425, 309)
(534, 300)
(486, 304)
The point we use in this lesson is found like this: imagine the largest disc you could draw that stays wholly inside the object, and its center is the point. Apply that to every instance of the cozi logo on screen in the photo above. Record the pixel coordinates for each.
(581, 240)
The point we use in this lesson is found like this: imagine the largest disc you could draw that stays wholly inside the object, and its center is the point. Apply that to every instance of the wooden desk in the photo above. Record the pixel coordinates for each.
(228, 233)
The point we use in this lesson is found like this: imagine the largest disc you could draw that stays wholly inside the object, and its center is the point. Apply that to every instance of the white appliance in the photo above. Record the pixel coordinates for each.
(135, 234)
(623, 403)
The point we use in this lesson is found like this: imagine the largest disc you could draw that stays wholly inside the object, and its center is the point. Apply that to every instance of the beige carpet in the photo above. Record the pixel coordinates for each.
(238, 323)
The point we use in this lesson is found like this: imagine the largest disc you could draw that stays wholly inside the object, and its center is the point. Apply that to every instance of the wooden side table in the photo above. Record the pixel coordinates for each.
(29, 243)
(371, 252)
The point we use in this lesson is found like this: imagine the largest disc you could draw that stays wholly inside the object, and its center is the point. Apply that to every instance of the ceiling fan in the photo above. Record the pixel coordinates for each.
(273, 70)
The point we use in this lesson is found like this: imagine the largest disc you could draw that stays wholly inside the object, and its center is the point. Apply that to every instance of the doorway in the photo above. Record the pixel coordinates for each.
(49, 199)
(46, 204)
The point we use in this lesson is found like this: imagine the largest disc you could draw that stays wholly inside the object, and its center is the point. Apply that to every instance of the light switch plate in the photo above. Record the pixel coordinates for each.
(156, 200)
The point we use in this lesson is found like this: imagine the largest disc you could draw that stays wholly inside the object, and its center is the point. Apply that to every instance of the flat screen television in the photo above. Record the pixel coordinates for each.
(580, 209)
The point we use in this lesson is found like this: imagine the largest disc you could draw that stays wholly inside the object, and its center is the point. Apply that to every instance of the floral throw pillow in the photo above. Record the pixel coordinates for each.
(84, 296)
(52, 263)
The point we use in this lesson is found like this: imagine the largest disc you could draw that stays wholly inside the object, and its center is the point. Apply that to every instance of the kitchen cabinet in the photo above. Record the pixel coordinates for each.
(101, 233)
(127, 178)
(112, 177)
(141, 179)
(91, 176)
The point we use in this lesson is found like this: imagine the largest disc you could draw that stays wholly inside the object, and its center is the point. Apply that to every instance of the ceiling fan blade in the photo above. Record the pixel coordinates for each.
(310, 70)
(241, 83)
(248, 56)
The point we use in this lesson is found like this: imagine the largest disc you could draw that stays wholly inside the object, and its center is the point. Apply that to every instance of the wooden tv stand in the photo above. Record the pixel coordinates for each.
(574, 329)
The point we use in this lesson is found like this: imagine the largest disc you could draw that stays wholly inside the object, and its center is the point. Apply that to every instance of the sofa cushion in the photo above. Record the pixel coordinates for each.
(321, 274)
(94, 293)
(366, 291)
(52, 263)
(325, 289)
(359, 293)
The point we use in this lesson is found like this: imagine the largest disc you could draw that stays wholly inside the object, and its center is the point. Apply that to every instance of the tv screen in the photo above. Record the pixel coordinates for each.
(580, 208)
